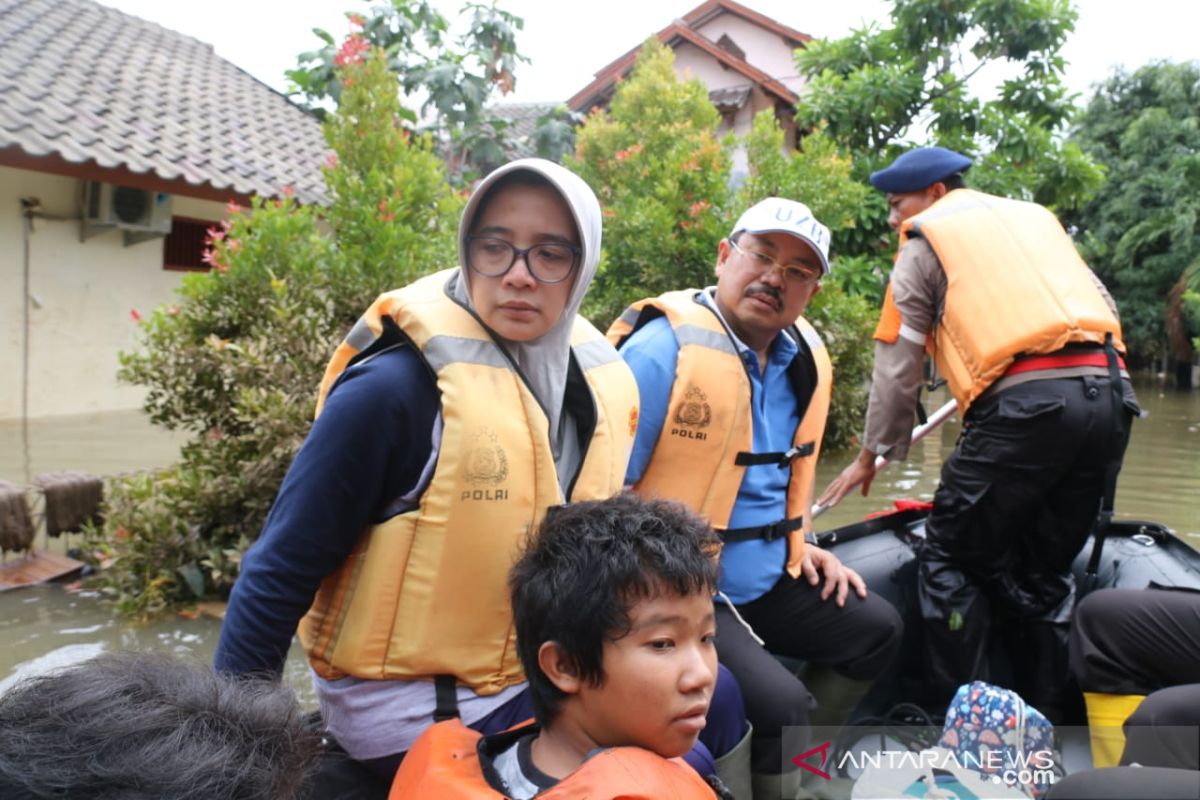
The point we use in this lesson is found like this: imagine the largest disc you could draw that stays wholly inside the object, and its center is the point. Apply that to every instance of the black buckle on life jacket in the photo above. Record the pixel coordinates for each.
(445, 689)
(781, 460)
(768, 533)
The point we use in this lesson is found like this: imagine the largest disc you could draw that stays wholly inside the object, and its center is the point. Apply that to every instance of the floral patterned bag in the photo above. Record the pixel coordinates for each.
(993, 731)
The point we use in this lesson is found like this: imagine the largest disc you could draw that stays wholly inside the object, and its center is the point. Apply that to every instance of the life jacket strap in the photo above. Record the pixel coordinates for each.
(1112, 468)
(445, 688)
(780, 460)
(767, 533)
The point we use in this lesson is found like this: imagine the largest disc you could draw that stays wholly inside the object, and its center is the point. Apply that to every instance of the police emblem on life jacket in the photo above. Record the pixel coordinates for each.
(692, 415)
(486, 467)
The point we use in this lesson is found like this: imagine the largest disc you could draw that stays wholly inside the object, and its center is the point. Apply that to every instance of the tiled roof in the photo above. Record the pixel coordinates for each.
(731, 98)
(90, 86)
(522, 121)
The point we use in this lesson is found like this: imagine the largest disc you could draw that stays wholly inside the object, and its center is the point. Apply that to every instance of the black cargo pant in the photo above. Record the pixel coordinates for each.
(1138, 641)
(859, 640)
(1017, 499)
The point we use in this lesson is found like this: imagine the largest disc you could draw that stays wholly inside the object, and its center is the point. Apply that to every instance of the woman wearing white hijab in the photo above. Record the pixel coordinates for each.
(454, 414)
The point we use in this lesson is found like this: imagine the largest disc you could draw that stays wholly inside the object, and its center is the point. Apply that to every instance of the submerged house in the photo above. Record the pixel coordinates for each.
(121, 143)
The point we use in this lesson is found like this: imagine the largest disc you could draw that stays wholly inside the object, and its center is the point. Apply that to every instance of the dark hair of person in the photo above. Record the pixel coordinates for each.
(135, 726)
(519, 177)
(586, 567)
(955, 181)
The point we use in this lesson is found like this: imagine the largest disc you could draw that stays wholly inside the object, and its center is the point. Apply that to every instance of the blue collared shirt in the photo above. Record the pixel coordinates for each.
(748, 569)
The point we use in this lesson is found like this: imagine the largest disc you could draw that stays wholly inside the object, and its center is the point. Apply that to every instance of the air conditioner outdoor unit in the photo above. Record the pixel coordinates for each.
(133, 210)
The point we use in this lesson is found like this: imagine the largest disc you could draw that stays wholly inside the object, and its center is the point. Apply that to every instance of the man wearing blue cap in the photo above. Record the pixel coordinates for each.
(735, 389)
(1027, 340)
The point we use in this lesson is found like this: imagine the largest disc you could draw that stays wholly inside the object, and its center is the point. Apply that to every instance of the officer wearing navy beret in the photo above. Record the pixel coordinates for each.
(1029, 343)
(918, 179)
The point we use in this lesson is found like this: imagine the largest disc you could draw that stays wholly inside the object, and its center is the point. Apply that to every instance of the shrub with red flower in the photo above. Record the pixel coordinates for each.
(352, 51)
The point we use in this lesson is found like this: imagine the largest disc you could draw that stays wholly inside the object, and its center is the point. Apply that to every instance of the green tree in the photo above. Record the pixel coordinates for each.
(879, 90)
(1142, 230)
(820, 176)
(660, 170)
(235, 363)
(453, 76)
(843, 311)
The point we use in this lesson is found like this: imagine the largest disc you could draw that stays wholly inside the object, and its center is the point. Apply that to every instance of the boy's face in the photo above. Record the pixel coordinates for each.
(658, 679)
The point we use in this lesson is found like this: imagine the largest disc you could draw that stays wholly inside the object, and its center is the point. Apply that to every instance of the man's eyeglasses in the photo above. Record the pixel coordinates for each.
(550, 262)
(793, 274)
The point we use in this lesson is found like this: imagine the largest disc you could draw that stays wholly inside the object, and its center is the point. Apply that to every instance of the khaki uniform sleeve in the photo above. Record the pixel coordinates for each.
(919, 290)
(1112, 304)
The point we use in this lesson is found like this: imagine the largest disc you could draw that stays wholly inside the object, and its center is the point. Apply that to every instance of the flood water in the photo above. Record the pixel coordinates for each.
(42, 627)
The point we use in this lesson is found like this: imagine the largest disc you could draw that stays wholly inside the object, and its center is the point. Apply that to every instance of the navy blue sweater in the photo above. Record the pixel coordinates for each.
(366, 449)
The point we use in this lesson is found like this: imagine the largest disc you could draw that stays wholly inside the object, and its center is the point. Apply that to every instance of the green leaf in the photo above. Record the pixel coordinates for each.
(193, 577)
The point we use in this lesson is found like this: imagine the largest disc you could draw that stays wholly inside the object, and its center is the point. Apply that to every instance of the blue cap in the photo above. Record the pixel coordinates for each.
(919, 168)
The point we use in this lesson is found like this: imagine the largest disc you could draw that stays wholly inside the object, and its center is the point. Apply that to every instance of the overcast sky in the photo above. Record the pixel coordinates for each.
(567, 40)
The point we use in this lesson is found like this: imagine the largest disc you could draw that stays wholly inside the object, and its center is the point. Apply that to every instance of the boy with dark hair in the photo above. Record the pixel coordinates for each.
(612, 603)
(135, 725)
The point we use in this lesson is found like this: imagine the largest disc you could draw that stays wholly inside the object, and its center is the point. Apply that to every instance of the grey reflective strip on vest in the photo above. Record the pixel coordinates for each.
(595, 353)
(441, 351)
(703, 337)
(361, 335)
(811, 338)
(630, 316)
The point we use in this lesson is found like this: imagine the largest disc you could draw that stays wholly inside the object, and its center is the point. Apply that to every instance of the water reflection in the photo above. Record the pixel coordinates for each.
(44, 626)
(1160, 479)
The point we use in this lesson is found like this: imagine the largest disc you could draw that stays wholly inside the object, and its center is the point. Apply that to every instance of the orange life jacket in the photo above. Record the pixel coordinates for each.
(445, 763)
(1015, 285)
(708, 415)
(424, 593)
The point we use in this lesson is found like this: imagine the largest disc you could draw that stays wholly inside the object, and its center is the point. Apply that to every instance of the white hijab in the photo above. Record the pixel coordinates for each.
(544, 361)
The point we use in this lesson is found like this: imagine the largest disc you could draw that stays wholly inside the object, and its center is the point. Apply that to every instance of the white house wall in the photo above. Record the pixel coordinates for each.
(694, 62)
(766, 50)
(82, 297)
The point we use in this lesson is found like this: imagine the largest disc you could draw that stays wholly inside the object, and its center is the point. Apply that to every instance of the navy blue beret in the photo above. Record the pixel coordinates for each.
(919, 168)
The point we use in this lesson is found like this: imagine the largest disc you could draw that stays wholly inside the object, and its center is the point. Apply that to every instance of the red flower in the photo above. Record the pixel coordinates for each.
(630, 151)
(331, 160)
(384, 214)
(214, 235)
(210, 258)
(352, 51)
(357, 20)
(233, 207)
(134, 315)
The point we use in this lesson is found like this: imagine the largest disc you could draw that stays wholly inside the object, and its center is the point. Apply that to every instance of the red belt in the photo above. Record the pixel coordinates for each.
(1060, 361)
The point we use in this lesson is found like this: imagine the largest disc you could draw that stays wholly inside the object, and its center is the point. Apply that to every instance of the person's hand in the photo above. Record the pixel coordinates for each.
(838, 577)
(860, 471)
